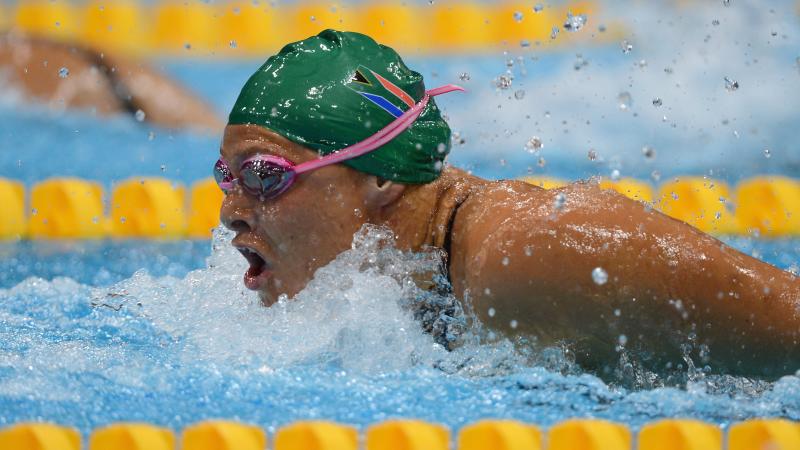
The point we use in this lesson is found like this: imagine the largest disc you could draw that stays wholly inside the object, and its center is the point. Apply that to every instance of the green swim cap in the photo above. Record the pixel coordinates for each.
(336, 89)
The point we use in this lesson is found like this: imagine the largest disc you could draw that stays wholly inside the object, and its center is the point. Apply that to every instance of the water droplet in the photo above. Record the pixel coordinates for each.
(139, 115)
(615, 175)
(655, 175)
(491, 312)
(519, 95)
(437, 166)
(648, 152)
(592, 155)
(580, 62)
(554, 32)
(513, 324)
(657, 102)
(541, 162)
(538, 8)
(441, 148)
(622, 339)
(559, 201)
(464, 76)
(505, 260)
(624, 100)
(599, 276)
(503, 81)
(731, 84)
(34, 211)
(726, 2)
(518, 16)
(575, 23)
(232, 44)
(627, 47)
(63, 72)
(151, 135)
(617, 312)
(187, 46)
(528, 250)
(534, 144)
(524, 43)
(767, 153)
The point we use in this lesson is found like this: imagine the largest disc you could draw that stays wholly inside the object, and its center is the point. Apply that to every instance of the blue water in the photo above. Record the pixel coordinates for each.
(173, 344)
(92, 333)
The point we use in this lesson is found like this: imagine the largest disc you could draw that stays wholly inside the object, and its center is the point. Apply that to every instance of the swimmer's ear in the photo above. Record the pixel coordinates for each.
(381, 192)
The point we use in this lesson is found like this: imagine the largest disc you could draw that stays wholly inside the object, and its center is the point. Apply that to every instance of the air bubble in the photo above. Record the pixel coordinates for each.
(491, 312)
(767, 153)
(615, 175)
(554, 32)
(518, 16)
(513, 324)
(63, 72)
(538, 8)
(648, 152)
(519, 95)
(139, 115)
(463, 76)
(657, 102)
(505, 260)
(599, 276)
(592, 154)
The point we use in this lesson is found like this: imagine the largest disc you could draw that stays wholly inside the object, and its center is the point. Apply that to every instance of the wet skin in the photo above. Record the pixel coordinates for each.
(98, 81)
(511, 249)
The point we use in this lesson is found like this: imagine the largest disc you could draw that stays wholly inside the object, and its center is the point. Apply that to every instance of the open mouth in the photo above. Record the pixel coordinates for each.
(258, 272)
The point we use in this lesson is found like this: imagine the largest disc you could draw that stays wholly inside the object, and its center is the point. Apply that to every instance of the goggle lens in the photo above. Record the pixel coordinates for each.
(261, 177)
(265, 178)
(223, 175)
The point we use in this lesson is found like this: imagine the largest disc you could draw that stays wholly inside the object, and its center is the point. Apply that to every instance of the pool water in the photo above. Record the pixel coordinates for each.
(164, 332)
(174, 343)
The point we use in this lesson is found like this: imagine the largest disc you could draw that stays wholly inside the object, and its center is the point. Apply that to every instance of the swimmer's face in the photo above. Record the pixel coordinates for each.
(287, 238)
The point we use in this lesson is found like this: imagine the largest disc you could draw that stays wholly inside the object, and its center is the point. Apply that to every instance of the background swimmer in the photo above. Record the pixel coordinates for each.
(577, 265)
(67, 75)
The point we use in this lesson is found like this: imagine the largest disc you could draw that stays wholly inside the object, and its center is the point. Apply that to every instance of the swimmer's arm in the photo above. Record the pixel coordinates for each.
(667, 281)
(164, 101)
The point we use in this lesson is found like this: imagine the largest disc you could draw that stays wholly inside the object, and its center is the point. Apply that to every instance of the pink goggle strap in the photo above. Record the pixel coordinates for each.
(381, 137)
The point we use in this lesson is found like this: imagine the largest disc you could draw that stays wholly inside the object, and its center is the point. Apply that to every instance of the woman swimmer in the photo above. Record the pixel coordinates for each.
(524, 252)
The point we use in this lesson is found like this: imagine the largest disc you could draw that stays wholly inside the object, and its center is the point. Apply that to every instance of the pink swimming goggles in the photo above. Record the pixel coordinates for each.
(268, 176)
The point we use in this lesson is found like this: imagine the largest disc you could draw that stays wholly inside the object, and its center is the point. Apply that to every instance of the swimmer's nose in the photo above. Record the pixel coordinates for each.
(236, 215)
